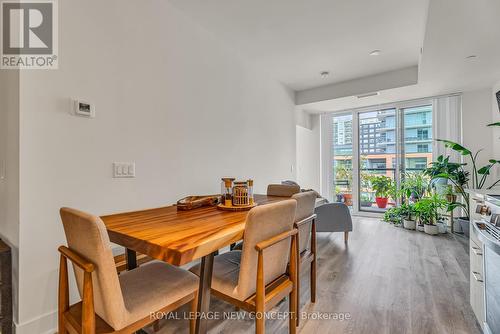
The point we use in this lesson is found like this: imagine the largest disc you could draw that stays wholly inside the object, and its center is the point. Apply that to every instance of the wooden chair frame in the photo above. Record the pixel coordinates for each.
(268, 296)
(308, 256)
(80, 318)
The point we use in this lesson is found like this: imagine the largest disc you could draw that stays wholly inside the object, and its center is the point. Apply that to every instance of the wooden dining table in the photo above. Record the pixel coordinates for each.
(180, 237)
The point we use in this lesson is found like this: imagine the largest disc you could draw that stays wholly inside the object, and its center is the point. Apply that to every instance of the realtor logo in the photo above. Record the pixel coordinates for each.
(29, 34)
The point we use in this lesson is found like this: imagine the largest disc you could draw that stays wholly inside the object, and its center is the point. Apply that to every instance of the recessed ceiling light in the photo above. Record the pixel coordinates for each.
(471, 57)
(324, 74)
(375, 53)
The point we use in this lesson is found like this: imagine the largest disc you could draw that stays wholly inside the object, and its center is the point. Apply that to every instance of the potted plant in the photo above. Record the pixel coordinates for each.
(437, 169)
(366, 201)
(345, 177)
(414, 186)
(408, 213)
(382, 186)
(428, 209)
(393, 215)
(340, 197)
(459, 177)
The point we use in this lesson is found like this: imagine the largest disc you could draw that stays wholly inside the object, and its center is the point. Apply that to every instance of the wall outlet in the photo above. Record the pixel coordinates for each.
(123, 169)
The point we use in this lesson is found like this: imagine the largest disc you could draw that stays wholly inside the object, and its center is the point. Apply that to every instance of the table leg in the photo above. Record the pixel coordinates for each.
(207, 264)
(131, 258)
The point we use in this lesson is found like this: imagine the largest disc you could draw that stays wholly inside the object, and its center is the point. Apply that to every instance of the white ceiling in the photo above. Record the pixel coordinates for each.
(294, 40)
(455, 29)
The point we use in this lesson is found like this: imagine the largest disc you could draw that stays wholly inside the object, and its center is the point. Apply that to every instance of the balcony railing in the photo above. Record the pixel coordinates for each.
(367, 200)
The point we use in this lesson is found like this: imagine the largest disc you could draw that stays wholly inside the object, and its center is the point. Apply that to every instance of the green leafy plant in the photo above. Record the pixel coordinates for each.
(428, 209)
(479, 174)
(442, 166)
(408, 211)
(344, 175)
(393, 215)
(382, 185)
(414, 186)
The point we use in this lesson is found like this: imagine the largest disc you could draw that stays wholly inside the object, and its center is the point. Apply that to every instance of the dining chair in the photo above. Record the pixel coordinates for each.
(113, 303)
(256, 278)
(306, 239)
(283, 190)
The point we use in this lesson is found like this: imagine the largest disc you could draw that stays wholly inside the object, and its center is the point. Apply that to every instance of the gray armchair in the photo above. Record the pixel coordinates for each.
(334, 217)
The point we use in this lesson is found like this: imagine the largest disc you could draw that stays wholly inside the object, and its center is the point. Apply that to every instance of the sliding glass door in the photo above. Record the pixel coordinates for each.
(377, 156)
(342, 158)
(375, 146)
(417, 138)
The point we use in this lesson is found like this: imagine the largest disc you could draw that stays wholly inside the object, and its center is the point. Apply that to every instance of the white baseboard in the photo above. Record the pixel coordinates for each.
(44, 324)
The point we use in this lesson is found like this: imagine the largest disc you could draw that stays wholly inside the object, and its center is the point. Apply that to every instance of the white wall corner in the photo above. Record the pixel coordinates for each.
(303, 118)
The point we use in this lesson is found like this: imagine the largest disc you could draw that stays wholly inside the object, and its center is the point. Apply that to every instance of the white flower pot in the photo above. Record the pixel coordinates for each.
(442, 228)
(431, 229)
(420, 228)
(409, 224)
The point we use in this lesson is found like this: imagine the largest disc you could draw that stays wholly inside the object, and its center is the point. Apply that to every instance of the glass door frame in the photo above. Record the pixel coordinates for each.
(327, 155)
(396, 168)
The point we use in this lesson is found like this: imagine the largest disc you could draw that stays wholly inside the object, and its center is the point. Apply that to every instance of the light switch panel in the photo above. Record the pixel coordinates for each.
(123, 169)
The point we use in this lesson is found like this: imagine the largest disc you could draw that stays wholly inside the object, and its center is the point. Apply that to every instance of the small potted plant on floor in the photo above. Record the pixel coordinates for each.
(408, 213)
(382, 186)
(429, 209)
(393, 215)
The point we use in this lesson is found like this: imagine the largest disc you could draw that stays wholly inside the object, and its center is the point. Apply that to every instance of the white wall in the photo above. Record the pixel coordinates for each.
(9, 168)
(476, 114)
(186, 109)
(308, 153)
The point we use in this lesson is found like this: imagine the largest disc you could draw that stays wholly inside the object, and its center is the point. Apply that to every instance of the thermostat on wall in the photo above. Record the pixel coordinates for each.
(84, 109)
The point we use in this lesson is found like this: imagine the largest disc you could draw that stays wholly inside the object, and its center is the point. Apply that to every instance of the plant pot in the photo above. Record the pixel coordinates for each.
(431, 229)
(366, 204)
(441, 185)
(381, 202)
(409, 224)
(464, 225)
(348, 199)
(420, 228)
(340, 198)
(442, 228)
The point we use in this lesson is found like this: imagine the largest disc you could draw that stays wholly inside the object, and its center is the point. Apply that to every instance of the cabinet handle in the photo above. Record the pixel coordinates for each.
(476, 251)
(477, 276)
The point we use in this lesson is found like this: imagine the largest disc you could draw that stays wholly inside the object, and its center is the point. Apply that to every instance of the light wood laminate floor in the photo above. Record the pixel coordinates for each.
(388, 280)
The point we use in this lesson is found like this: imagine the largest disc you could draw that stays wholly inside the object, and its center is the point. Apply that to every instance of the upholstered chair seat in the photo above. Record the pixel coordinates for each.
(226, 272)
(152, 286)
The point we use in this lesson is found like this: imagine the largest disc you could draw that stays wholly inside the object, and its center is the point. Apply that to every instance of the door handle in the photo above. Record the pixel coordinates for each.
(477, 276)
(477, 251)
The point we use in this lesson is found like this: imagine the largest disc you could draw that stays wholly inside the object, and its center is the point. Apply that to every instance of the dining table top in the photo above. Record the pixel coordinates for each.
(179, 237)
